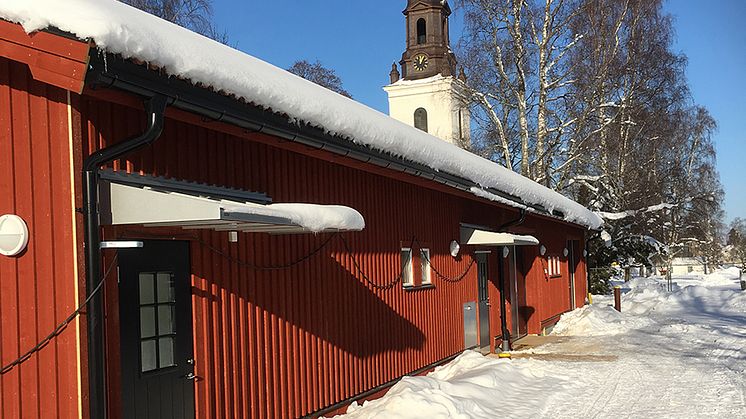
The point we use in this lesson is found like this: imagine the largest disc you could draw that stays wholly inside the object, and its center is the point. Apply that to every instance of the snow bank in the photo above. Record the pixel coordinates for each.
(643, 296)
(736, 302)
(120, 29)
(471, 386)
(722, 277)
(597, 320)
(682, 356)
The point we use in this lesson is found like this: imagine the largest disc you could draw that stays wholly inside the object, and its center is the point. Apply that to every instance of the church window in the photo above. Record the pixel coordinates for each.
(420, 119)
(421, 31)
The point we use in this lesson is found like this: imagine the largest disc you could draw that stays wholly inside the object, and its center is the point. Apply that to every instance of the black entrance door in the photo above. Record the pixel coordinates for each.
(484, 301)
(156, 331)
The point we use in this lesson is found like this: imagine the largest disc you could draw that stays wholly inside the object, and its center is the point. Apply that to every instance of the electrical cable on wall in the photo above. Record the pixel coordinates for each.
(232, 259)
(270, 267)
(453, 280)
(365, 277)
(60, 327)
(387, 285)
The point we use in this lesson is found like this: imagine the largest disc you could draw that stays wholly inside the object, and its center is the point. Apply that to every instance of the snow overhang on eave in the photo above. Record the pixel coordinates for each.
(474, 236)
(109, 70)
(152, 206)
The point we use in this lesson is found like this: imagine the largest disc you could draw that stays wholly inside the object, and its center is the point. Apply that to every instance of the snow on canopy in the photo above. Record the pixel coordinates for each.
(315, 218)
(134, 34)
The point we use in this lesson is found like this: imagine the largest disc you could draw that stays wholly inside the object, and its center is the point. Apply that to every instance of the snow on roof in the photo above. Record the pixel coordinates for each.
(426, 80)
(121, 29)
(684, 261)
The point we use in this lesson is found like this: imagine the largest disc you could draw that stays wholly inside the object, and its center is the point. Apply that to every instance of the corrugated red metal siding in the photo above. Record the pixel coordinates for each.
(37, 288)
(285, 343)
(551, 296)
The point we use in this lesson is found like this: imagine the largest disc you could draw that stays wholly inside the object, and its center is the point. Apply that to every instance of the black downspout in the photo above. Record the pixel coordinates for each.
(505, 345)
(155, 108)
(587, 269)
(512, 223)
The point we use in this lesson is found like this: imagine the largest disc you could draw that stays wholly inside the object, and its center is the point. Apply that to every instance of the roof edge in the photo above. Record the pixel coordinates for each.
(107, 70)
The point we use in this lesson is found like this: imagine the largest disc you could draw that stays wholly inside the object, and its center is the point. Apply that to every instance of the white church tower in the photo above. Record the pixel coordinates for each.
(427, 94)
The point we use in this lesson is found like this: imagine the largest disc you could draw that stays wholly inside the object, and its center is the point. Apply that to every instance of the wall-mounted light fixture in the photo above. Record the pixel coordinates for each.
(13, 235)
(454, 248)
(542, 250)
(233, 236)
(565, 252)
(506, 251)
(585, 253)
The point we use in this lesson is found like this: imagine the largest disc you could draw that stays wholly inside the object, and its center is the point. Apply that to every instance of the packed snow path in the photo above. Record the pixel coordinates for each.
(679, 354)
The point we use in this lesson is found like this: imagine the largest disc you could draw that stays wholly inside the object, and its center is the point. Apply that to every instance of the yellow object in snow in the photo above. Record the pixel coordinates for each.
(504, 355)
(590, 298)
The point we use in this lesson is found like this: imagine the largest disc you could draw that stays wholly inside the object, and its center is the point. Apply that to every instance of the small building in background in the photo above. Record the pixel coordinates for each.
(688, 265)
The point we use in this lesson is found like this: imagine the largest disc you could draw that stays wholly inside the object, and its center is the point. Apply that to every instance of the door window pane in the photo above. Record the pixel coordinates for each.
(148, 355)
(165, 287)
(147, 322)
(166, 352)
(146, 289)
(165, 320)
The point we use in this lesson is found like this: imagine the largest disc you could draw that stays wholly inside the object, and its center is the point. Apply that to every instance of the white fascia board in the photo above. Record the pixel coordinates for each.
(473, 236)
(133, 205)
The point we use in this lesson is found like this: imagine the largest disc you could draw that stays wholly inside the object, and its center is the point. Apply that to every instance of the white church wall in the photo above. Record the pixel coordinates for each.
(448, 115)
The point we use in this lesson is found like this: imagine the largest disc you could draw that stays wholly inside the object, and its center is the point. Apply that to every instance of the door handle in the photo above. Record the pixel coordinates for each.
(192, 376)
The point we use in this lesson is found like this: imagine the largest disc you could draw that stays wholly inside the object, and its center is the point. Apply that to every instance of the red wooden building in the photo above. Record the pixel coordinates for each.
(242, 301)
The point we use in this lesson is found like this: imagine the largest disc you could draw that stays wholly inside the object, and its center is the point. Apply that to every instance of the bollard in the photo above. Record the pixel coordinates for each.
(618, 298)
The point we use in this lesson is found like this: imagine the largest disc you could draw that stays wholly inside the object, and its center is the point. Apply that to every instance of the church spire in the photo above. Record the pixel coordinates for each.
(428, 50)
(436, 105)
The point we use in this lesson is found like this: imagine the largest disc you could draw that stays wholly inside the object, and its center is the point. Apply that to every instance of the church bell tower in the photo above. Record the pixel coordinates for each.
(427, 94)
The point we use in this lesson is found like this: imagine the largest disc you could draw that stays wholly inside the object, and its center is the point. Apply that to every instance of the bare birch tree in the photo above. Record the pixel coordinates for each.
(587, 97)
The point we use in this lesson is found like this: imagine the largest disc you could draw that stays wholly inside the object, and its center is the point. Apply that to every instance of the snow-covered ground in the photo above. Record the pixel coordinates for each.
(679, 354)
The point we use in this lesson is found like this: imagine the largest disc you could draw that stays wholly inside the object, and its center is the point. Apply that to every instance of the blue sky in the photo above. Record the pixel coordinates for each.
(360, 40)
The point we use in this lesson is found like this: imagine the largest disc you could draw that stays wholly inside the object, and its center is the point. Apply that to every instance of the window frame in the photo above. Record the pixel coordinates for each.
(158, 335)
(407, 275)
(554, 266)
(423, 118)
(421, 31)
(425, 267)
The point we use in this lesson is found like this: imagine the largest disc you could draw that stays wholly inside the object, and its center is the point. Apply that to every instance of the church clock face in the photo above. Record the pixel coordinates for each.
(420, 62)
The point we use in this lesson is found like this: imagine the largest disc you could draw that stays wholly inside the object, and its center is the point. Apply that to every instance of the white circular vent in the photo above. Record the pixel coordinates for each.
(13, 235)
